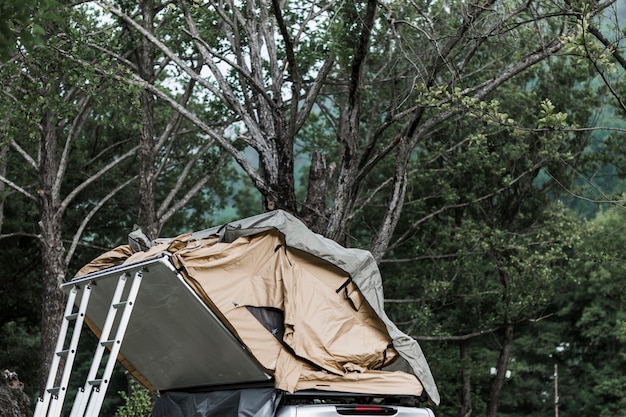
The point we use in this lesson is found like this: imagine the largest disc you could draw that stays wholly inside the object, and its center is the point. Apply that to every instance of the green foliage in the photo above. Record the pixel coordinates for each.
(138, 404)
(592, 316)
(499, 252)
(23, 24)
(19, 346)
(20, 309)
(484, 238)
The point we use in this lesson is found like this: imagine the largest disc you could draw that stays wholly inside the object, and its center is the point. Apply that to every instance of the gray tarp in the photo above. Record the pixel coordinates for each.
(249, 402)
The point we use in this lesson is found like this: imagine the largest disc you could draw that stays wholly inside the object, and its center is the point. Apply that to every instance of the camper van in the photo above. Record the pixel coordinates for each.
(259, 317)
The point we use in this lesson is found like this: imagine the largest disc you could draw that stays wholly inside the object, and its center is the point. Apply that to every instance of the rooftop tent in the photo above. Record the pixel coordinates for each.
(283, 305)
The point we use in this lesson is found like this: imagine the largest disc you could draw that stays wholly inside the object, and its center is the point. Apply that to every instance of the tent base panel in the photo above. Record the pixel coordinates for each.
(173, 340)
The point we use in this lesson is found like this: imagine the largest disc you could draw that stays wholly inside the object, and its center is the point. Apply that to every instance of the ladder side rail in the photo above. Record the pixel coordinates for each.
(84, 394)
(80, 401)
(57, 406)
(95, 402)
(43, 403)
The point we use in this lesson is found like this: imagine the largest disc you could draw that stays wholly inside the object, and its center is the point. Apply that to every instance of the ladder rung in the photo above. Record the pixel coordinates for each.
(51, 405)
(88, 401)
(71, 317)
(64, 353)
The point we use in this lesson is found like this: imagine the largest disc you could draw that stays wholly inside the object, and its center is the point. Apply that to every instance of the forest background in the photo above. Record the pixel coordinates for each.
(476, 148)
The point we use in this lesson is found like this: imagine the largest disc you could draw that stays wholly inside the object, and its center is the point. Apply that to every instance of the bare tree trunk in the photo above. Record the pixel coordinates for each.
(381, 240)
(3, 172)
(52, 250)
(466, 380)
(278, 171)
(313, 210)
(349, 132)
(147, 152)
(53, 303)
(345, 196)
(498, 380)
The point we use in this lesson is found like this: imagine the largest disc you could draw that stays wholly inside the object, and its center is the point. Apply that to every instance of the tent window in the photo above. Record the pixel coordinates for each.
(272, 319)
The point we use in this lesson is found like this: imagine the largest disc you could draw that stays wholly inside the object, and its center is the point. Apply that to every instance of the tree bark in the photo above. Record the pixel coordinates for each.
(147, 152)
(381, 240)
(4, 150)
(278, 170)
(349, 134)
(13, 401)
(466, 380)
(52, 249)
(498, 380)
(313, 210)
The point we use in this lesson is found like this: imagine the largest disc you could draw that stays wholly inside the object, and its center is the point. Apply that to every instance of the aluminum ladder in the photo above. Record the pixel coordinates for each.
(89, 398)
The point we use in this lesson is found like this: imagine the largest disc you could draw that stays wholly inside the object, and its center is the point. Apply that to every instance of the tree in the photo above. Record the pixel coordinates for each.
(54, 112)
(54, 100)
(493, 260)
(594, 317)
(422, 124)
(273, 65)
(23, 24)
(78, 139)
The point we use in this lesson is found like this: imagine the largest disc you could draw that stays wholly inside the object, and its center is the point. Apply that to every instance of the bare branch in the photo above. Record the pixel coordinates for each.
(89, 216)
(168, 52)
(105, 151)
(183, 176)
(24, 154)
(314, 91)
(175, 121)
(238, 156)
(292, 66)
(18, 189)
(70, 197)
(606, 200)
(190, 193)
(20, 234)
(618, 57)
(411, 229)
(225, 91)
(77, 124)
(405, 300)
(458, 338)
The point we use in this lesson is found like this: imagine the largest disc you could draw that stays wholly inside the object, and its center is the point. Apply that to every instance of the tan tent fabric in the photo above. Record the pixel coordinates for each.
(113, 257)
(294, 375)
(336, 333)
(320, 324)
